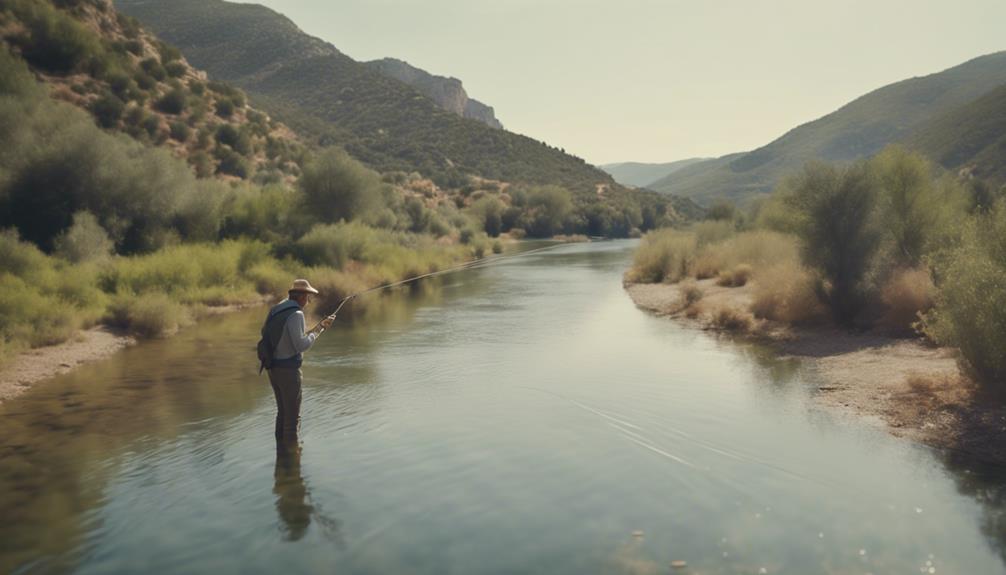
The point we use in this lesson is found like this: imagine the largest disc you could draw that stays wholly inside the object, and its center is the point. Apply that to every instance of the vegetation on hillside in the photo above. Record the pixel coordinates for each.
(102, 61)
(382, 122)
(891, 243)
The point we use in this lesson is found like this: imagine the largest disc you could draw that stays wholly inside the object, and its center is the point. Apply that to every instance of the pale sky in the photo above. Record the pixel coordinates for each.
(657, 81)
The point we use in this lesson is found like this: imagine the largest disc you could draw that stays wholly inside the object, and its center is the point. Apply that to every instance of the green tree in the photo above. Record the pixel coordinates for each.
(337, 187)
(837, 223)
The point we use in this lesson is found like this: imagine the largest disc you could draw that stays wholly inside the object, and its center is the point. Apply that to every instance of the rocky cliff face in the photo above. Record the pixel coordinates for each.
(448, 93)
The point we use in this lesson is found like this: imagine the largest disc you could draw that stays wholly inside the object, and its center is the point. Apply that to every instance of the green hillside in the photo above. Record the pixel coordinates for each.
(641, 174)
(858, 129)
(971, 137)
(319, 91)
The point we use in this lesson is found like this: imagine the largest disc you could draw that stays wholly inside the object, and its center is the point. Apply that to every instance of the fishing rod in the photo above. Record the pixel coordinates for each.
(473, 264)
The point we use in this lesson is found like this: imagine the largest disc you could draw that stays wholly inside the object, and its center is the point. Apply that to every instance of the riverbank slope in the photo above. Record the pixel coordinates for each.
(914, 390)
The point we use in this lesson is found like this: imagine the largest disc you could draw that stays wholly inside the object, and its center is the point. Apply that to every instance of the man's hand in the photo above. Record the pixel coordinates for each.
(327, 322)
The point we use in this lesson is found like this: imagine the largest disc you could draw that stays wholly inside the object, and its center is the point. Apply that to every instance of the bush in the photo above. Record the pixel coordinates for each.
(149, 315)
(732, 319)
(549, 209)
(711, 232)
(789, 293)
(180, 131)
(969, 313)
(153, 68)
(337, 187)
(107, 110)
(906, 296)
(663, 256)
(174, 102)
(175, 69)
(756, 249)
(839, 230)
(84, 241)
(691, 293)
(736, 277)
(55, 41)
(223, 108)
(237, 139)
(231, 163)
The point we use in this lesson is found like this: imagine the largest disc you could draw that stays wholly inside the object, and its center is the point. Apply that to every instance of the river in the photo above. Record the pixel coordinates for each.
(518, 418)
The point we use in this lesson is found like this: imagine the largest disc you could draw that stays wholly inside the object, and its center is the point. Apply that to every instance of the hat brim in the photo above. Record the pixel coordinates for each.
(305, 290)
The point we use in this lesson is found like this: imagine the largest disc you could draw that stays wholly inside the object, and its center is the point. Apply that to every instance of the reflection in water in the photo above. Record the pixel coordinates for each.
(291, 494)
(293, 500)
(508, 419)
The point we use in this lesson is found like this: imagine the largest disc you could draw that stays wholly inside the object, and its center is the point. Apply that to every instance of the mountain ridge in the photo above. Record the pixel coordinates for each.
(860, 128)
(319, 91)
(642, 174)
(448, 92)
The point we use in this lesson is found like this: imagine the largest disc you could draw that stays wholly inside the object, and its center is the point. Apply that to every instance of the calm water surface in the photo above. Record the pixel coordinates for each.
(522, 418)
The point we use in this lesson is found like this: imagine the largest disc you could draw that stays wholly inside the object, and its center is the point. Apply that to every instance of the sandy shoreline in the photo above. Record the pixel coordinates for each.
(34, 365)
(912, 389)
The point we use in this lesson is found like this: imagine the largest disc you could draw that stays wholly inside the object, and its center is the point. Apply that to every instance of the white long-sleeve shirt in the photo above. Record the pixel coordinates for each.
(294, 339)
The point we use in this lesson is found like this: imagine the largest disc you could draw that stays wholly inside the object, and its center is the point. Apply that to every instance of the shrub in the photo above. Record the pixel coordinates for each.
(732, 319)
(236, 138)
(839, 230)
(231, 163)
(173, 102)
(691, 293)
(712, 232)
(144, 81)
(337, 187)
(789, 293)
(972, 286)
(153, 68)
(663, 256)
(85, 240)
(549, 209)
(149, 315)
(180, 131)
(223, 108)
(737, 277)
(107, 110)
(55, 40)
(757, 249)
(906, 295)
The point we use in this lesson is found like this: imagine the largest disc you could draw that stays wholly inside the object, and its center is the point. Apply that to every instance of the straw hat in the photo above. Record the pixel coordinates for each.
(303, 286)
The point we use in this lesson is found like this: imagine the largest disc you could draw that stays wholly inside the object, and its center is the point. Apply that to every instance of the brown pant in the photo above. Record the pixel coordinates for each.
(286, 386)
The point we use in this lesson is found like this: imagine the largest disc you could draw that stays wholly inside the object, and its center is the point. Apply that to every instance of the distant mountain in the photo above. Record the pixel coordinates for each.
(640, 175)
(448, 93)
(319, 91)
(971, 137)
(858, 129)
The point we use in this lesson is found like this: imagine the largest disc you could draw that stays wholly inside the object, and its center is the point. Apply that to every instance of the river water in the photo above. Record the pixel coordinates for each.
(519, 418)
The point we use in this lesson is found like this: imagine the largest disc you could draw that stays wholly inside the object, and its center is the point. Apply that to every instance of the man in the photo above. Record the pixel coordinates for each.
(285, 332)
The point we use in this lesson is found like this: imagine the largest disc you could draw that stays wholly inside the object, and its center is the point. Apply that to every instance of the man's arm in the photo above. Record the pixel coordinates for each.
(301, 339)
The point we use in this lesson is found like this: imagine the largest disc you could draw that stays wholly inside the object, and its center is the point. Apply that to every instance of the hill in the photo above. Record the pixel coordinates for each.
(448, 93)
(90, 56)
(858, 129)
(971, 137)
(640, 175)
(318, 90)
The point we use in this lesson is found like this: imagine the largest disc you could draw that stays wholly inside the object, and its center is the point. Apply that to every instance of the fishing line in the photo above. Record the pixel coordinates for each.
(469, 265)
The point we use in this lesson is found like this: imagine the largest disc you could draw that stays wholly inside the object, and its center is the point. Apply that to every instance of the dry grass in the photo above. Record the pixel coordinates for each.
(729, 318)
(737, 277)
(663, 256)
(757, 249)
(786, 292)
(906, 295)
(691, 293)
